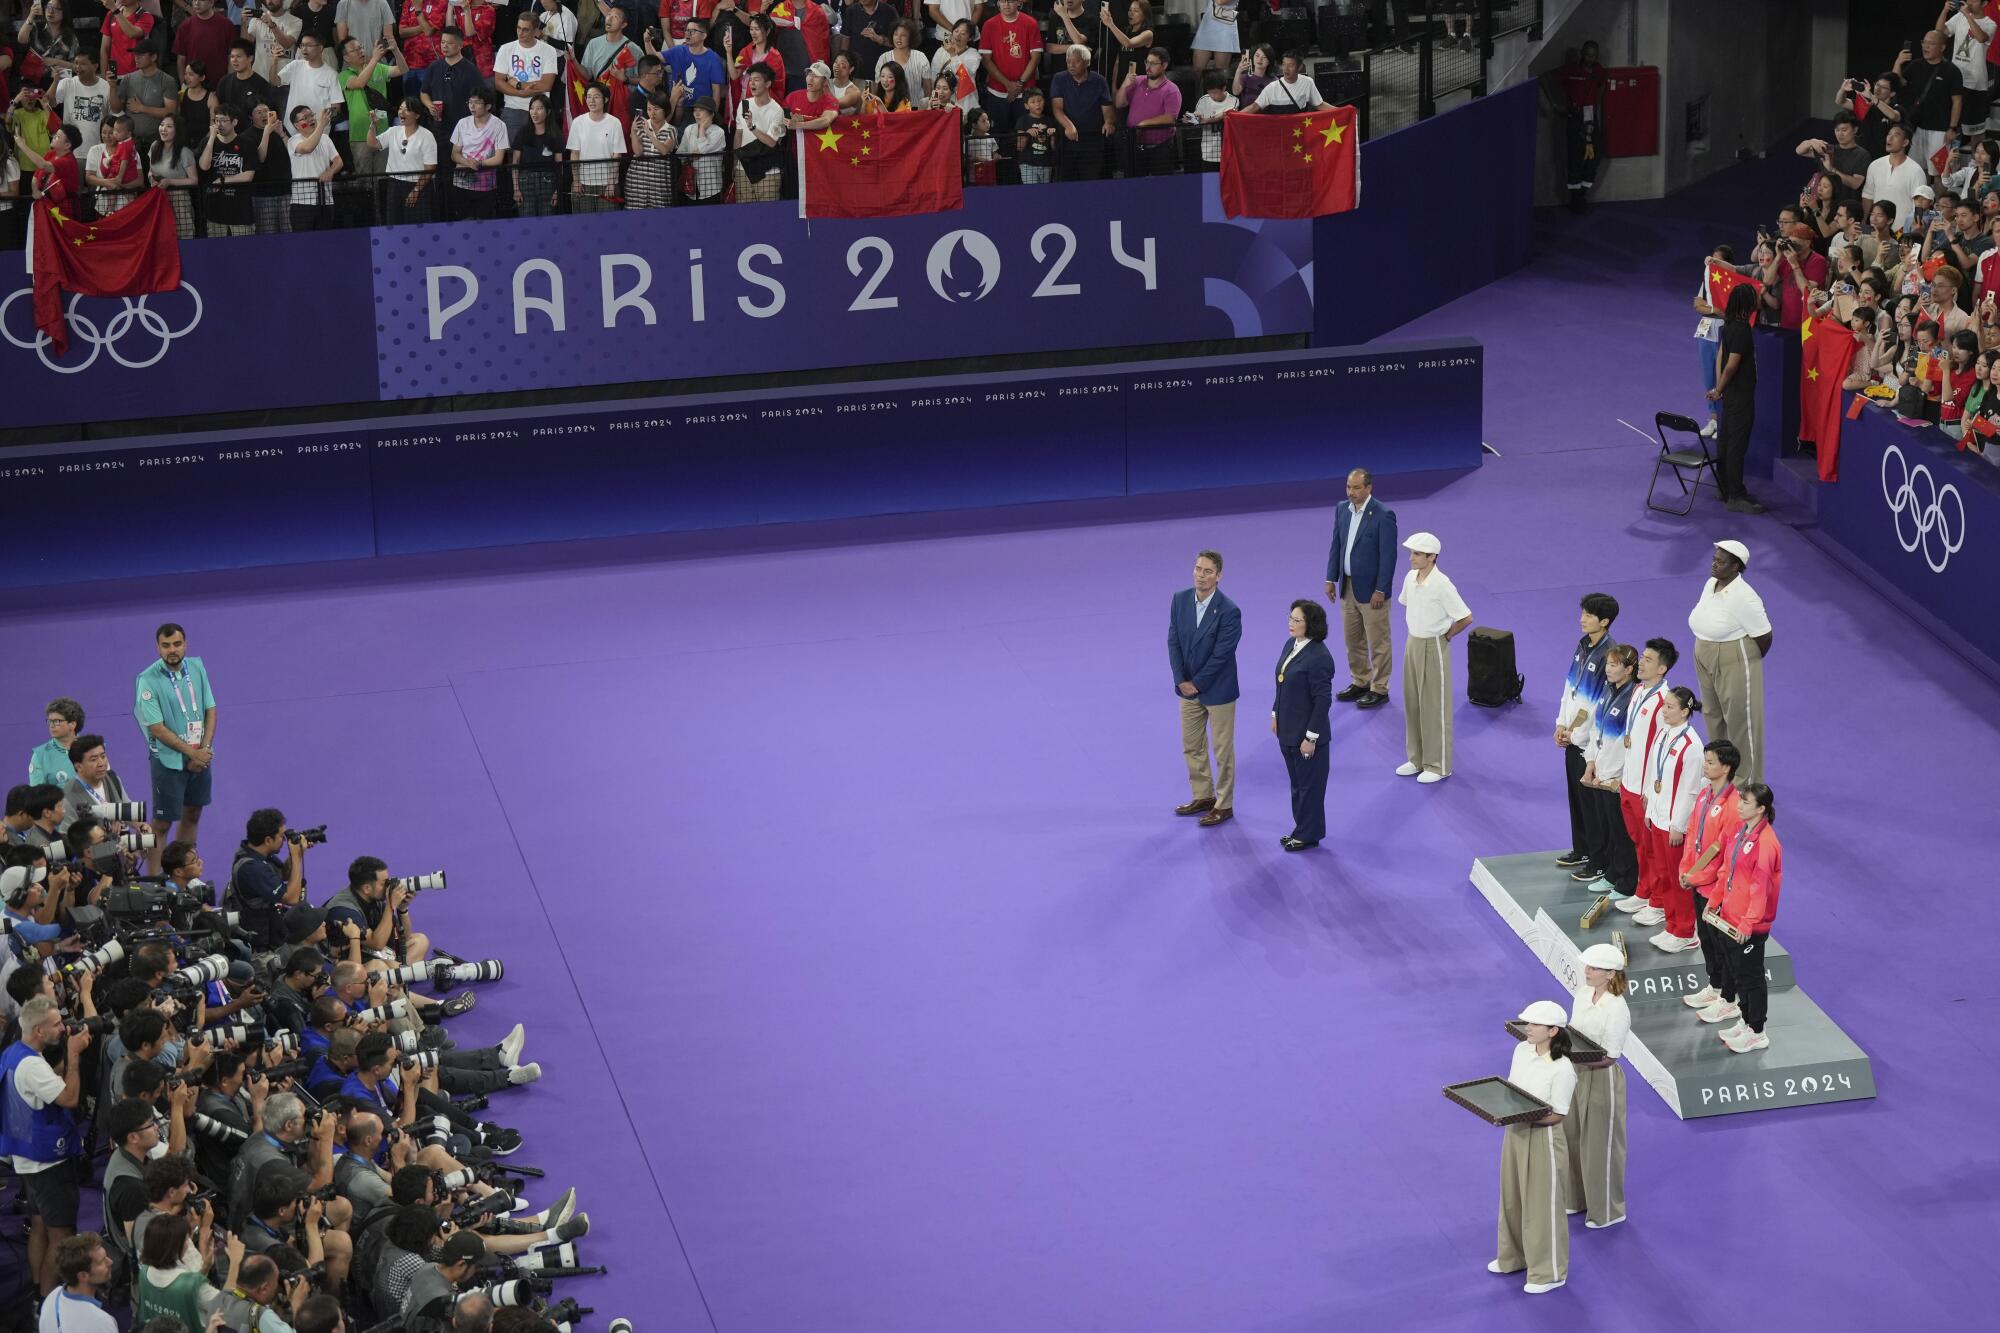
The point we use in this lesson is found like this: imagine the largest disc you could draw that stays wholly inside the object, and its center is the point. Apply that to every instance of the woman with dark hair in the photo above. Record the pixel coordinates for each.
(1257, 67)
(410, 155)
(1534, 1156)
(538, 157)
(170, 164)
(1132, 45)
(1736, 389)
(1300, 720)
(891, 92)
(760, 52)
(1670, 783)
(165, 1285)
(1753, 869)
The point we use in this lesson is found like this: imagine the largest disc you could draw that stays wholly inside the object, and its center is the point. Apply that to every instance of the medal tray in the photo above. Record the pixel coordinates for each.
(1497, 1102)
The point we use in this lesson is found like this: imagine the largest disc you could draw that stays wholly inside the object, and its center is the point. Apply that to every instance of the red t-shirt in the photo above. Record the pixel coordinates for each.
(676, 13)
(420, 51)
(206, 40)
(122, 46)
(805, 105)
(1010, 49)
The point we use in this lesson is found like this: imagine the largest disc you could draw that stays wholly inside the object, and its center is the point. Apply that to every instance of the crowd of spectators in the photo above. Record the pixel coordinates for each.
(1895, 234)
(265, 116)
(263, 1092)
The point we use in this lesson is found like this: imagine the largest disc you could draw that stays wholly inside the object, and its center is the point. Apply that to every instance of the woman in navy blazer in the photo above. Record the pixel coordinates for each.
(1299, 719)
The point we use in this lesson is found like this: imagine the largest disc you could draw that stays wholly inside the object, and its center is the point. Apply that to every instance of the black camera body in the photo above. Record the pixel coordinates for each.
(309, 837)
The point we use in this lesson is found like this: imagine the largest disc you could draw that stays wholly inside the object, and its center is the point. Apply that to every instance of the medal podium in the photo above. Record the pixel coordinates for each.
(1810, 1060)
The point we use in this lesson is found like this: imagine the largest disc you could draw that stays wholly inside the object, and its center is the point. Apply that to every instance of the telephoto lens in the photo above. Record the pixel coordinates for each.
(56, 851)
(407, 1042)
(418, 883)
(240, 1033)
(560, 1256)
(136, 839)
(518, 1292)
(208, 969)
(403, 976)
(455, 1180)
(215, 1129)
(285, 1043)
(99, 958)
(621, 1326)
(120, 812)
(383, 1013)
(311, 837)
(420, 1060)
(461, 974)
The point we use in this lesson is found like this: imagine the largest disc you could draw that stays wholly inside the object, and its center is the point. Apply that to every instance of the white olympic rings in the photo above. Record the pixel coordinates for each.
(1921, 501)
(132, 312)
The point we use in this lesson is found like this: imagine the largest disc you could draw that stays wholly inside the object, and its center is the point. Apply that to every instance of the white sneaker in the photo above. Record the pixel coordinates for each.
(1718, 1011)
(1406, 770)
(1633, 904)
(1747, 1042)
(520, 1074)
(1709, 429)
(511, 1044)
(1571, 1212)
(1429, 776)
(1702, 998)
(1739, 1026)
(1668, 942)
(1648, 915)
(1537, 1288)
(1493, 1266)
(1599, 1226)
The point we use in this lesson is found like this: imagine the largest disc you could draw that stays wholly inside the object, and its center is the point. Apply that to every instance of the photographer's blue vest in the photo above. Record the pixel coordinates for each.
(47, 1135)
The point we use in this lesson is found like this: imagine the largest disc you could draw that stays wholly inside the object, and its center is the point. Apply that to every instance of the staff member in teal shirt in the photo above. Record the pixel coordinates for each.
(50, 760)
(176, 710)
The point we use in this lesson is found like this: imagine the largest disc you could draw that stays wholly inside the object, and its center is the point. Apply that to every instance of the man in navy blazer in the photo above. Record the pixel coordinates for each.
(1360, 572)
(1203, 629)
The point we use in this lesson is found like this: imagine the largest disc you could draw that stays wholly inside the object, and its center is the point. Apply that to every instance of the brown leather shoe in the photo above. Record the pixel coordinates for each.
(1195, 807)
(1219, 815)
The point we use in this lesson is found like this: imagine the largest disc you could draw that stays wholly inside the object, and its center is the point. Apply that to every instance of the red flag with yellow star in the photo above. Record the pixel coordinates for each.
(130, 253)
(1827, 349)
(1723, 280)
(881, 166)
(1290, 166)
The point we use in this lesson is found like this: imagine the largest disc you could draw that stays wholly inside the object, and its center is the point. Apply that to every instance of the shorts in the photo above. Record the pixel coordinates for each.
(1974, 105)
(53, 1194)
(174, 789)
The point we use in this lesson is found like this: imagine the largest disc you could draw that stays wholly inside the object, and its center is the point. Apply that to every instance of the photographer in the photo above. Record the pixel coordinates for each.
(261, 885)
(25, 893)
(135, 1140)
(434, 1288)
(1873, 105)
(285, 1137)
(1792, 270)
(42, 809)
(169, 1097)
(306, 928)
(232, 1097)
(355, 1173)
(250, 1302)
(38, 1130)
(300, 978)
(284, 1221)
(168, 1183)
(175, 1250)
(380, 908)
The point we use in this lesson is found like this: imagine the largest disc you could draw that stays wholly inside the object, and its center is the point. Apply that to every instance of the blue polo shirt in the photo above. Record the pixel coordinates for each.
(385, 1094)
(176, 698)
(699, 73)
(50, 763)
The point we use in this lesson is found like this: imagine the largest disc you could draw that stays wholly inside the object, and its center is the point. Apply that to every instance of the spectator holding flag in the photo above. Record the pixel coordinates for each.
(1874, 109)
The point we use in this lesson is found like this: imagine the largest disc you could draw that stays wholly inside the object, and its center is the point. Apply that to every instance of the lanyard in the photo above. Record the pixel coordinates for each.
(1745, 840)
(187, 704)
(1641, 703)
(1701, 825)
(1666, 748)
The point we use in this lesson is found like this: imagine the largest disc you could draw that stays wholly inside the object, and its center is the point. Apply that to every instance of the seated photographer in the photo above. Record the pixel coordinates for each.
(94, 783)
(283, 1137)
(356, 1175)
(434, 1287)
(25, 895)
(300, 978)
(320, 1314)
(305, 927)
(326, 1016)
(14, 828)
(182, 865)
(250, 1301)
(232, 1101)
(261, 885)
(284, 1218)
(407, 1242)
(38, 1130)
(380, 909)
(175, 1252)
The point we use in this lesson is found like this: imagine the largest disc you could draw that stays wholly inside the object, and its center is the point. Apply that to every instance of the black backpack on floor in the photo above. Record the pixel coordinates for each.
(1490, 678)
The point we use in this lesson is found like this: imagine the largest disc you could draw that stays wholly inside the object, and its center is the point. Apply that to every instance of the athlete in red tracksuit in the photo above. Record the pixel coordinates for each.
(1709, 832)
(1753, 871)
(1642, 720)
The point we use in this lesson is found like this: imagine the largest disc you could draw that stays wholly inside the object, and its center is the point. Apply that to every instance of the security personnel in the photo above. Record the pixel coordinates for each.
(1595, 1126)
(38, 1127)
(1534, 1157)
(1713, 825)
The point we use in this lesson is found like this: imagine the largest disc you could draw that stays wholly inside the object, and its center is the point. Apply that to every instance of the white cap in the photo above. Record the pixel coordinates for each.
(1422, 541)
(1737, 549)
(819, 67)
(1546, 1012)
(14, 878)
(1607, 956)
(1923, 189)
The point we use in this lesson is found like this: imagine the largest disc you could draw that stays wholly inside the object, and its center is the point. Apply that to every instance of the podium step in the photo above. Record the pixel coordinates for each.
(1538, 898)
(1809, 1061)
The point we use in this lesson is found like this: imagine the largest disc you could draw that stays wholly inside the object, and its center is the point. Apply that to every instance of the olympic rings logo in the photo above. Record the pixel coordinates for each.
(1917, 507)
(155, 334)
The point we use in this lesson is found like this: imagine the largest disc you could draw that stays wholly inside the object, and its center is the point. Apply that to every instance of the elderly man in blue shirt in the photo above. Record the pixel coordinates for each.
(176, 709)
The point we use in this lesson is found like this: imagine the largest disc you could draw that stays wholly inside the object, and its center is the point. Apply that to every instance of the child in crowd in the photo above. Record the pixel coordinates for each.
(1214, 103)
(1035, 133)
(981, 150)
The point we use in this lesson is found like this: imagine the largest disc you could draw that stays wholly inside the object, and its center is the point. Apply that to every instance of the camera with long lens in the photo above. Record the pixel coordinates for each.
(460, 974)
(100, 958)
(560, 1256)
(96, 1027)
(403, 976)
(241, 1033)
(418, 883)
(420, 1060)
(212, 968)
(519, 1291)
(282, 1041)
(119, 812)
(136, 839)
(382, 1013)
(215, 1129)
(309, 837)
(290, 1069)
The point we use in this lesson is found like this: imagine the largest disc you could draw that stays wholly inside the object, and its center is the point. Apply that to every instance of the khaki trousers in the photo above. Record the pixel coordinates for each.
(1595, 1128)
(1200, 722)
(1534, 1164)
(1366, 629)
(1427, 702)
(1731, 676)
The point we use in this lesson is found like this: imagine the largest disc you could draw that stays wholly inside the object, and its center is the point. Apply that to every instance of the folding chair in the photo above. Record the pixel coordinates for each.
(1687, 464)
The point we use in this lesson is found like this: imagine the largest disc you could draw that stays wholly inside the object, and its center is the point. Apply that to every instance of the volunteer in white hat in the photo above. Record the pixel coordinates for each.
(1534, 1157)
(1595, 1126)
(1732, 638)
(1433, 614)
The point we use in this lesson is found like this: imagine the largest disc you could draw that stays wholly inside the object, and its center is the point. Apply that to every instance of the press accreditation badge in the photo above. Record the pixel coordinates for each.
(193, 734)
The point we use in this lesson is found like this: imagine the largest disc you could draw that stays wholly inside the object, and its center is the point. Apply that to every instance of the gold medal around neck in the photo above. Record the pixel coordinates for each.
(1281, 678)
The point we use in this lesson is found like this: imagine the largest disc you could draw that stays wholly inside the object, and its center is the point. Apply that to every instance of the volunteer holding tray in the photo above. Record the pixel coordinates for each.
(1534, 1157)
(1595, 1126)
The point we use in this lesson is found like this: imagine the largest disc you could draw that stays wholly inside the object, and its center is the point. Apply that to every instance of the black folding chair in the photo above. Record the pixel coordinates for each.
(1688, 464)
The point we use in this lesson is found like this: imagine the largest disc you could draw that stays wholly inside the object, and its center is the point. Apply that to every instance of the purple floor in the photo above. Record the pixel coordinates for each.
(885, 993)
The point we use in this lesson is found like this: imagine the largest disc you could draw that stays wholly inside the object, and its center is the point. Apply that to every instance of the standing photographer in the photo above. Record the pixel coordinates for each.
(38, 1130)
(261, 885)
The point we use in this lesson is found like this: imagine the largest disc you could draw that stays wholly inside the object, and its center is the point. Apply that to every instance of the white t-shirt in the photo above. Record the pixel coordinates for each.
(1674, 765)
(1967, 51)
(62, 1313)
(951, 11)
(83, 105)
(1210, 112)
(1554, 1081)
(770, 118)
(1301, 94)
(1736, 612)
(947, 63)
(264, 62)
(1608, 1022)
(1431, 605)
(306, 167)
(312, 86)
(596, 145)
(409, 154)
(1893, 184)
(559, 26)
(524, 64)
(479, 143)
(38, 1085)
(918, 72)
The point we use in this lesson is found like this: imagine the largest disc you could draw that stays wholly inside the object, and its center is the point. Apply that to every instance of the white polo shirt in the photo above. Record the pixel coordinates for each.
(1730, 613)
(1608, 1022)
(63, 1313)
(1431, 604)
(1554, 1081)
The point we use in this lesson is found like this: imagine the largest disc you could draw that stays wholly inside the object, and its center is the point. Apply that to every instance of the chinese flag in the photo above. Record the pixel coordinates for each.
(130, 253)
(1827, 349)
(1722, 280)
(881, 166)
(1940, 159)
(1290, 166)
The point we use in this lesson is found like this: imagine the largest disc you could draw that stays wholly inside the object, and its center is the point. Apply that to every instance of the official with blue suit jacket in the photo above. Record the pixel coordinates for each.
(1203, 629)
(1300, 720)
(1360, 576)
